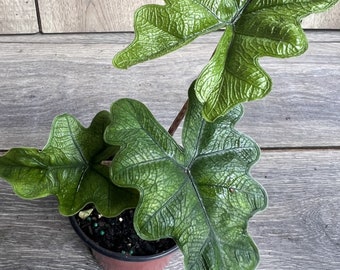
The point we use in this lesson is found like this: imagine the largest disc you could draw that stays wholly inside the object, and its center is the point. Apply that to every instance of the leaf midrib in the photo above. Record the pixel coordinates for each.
(196, 189)
(78, 147)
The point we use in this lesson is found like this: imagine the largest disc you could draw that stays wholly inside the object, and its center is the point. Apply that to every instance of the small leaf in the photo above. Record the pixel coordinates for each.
(201, 195)
(69, 167)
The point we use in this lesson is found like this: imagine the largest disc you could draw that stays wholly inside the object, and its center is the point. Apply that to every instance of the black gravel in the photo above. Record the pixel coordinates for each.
(117, 234)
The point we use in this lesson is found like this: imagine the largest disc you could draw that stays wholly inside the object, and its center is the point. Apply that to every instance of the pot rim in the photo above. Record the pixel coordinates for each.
(116, 255)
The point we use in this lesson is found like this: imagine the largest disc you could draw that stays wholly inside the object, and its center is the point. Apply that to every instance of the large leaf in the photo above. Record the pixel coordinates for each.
(201, 195)
(253, 29)
(69, 167)
(264, 28)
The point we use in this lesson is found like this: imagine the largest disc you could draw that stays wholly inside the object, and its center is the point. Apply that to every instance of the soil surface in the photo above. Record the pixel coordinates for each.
(117, 234)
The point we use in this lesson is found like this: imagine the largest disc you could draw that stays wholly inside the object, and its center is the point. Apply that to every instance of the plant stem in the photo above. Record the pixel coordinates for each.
(175, 124)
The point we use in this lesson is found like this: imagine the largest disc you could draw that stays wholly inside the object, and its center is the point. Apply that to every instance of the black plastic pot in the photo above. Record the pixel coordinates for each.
(110, 260)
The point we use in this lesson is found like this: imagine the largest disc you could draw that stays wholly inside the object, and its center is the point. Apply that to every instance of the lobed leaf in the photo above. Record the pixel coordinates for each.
(69, 167)
(162, 29)
(265, 28)
(253, 29)
(201, 194)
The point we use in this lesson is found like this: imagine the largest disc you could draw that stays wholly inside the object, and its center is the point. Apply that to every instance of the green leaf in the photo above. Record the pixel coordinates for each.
(201, 194)
(69, 167)
(253, 29)
(162, 29)
(264, 28)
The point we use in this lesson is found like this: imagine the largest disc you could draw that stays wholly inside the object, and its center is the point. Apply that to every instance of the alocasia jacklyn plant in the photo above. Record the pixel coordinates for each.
(199, 193)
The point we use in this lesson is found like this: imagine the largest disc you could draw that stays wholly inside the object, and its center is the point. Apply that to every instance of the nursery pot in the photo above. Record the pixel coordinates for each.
(111, 260)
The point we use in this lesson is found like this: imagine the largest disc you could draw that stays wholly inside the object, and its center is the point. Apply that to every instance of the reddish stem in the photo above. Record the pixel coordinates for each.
(175, 124)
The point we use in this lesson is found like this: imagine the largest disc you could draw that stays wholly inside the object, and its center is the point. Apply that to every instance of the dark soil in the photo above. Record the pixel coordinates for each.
(117, 234)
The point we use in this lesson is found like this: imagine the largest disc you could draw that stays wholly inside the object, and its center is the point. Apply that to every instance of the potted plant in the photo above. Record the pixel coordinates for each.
(199, 193)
